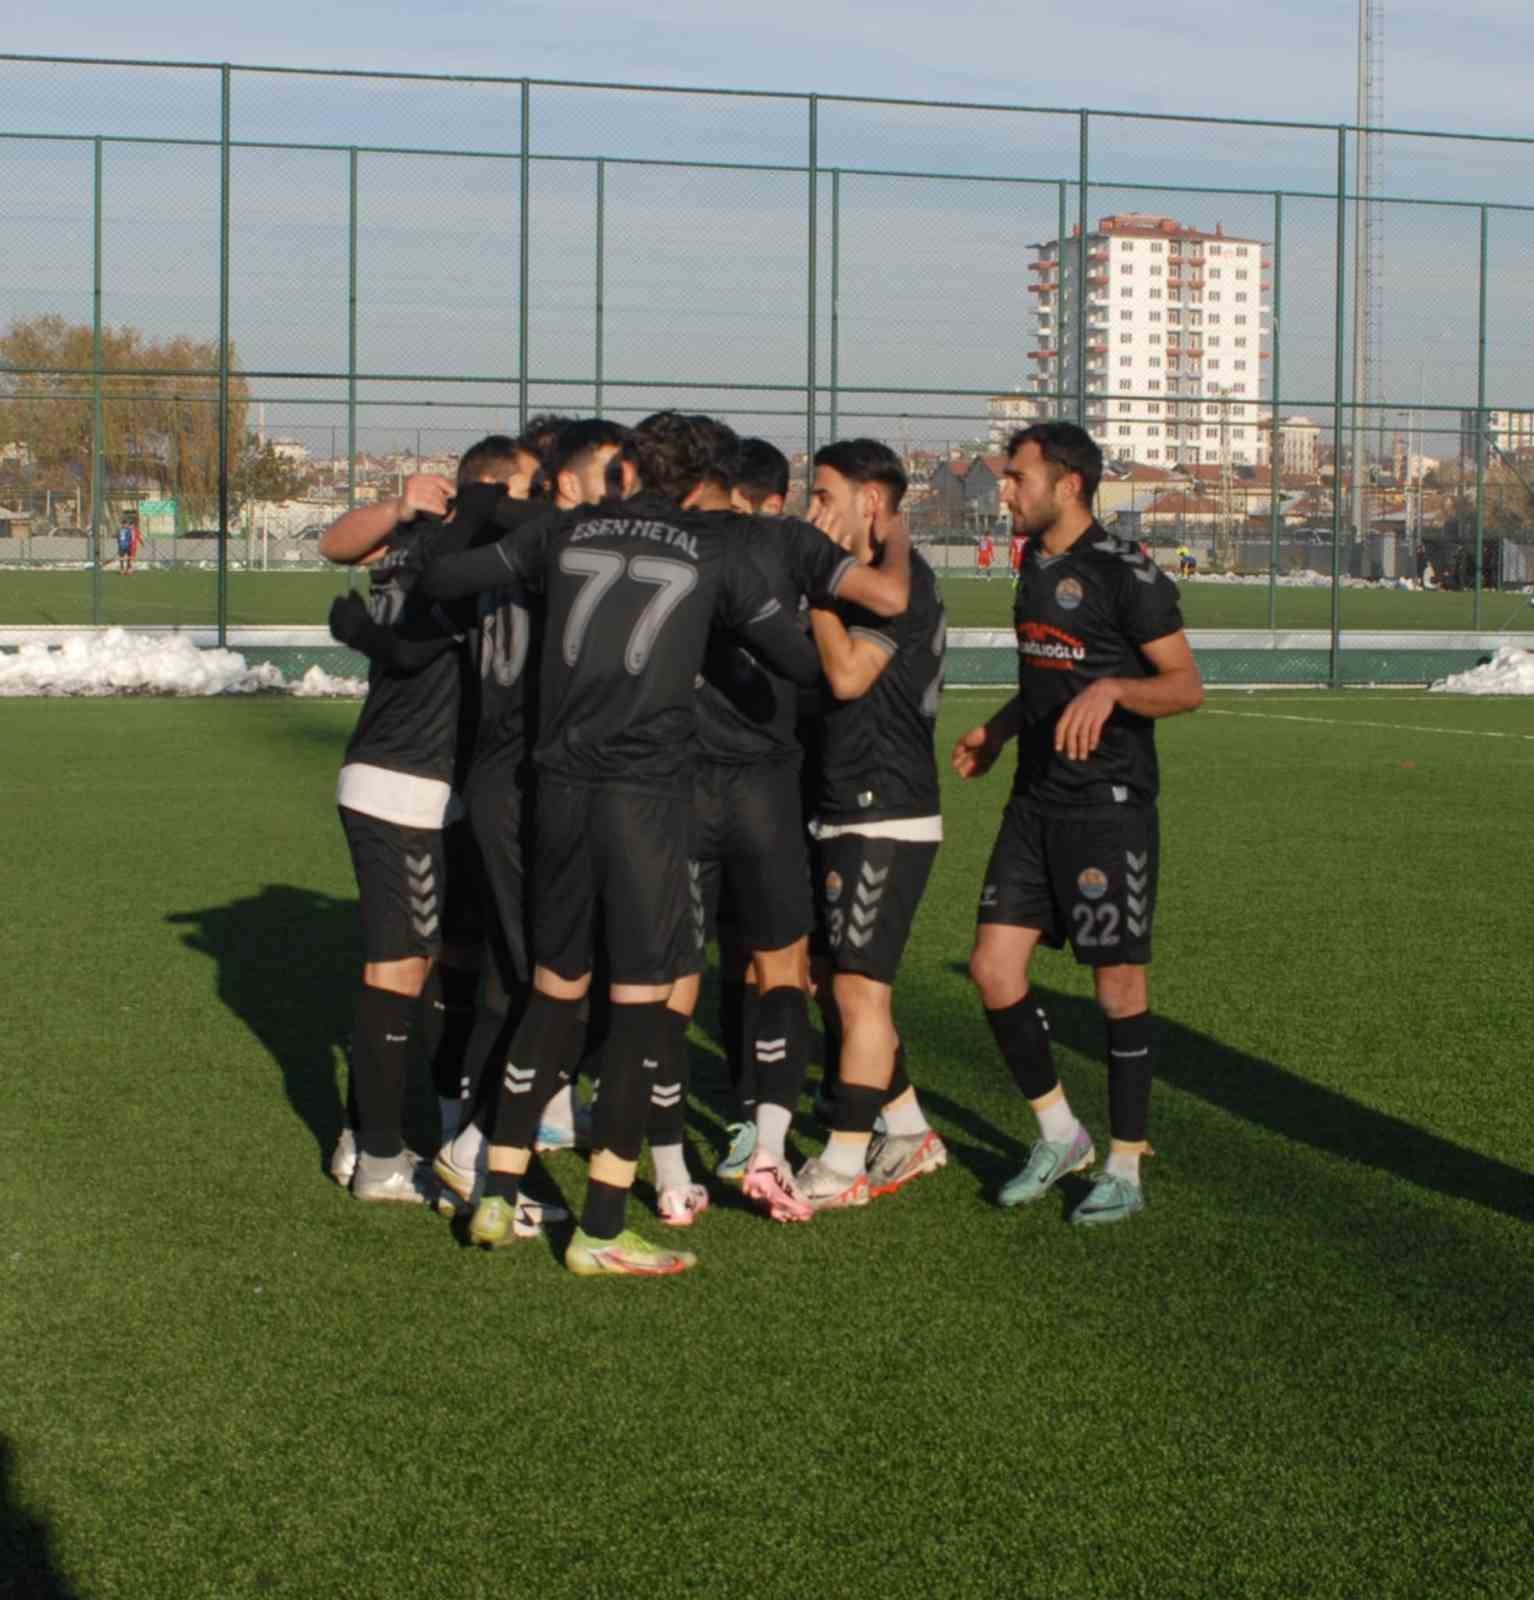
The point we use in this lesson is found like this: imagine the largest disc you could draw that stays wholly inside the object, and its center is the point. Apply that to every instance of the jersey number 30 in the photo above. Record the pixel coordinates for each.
(673, 581)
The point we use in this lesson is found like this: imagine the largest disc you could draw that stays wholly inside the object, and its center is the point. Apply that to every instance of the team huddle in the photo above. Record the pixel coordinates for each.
(621, 708)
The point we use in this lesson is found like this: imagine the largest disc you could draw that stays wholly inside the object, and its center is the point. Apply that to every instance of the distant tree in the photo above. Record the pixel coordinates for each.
(160, 433)
(261, 473)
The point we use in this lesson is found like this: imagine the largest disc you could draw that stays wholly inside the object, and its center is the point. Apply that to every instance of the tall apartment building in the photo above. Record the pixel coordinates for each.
(1176, 336)
(1006, 413)
(1511, 431)
(1299, 446)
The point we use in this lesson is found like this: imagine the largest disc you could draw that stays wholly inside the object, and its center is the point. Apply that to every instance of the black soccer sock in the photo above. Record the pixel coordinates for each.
(495, 1026)
(668, 1092)
(631, 1058)
(381, 1029)
(1021, 1032)
(1129, 1076)
(857, 1107)
(603, 1213)
(780, 1045)
(447, 1025)
(732, 1030)
(503, 1185)
(537, 1065)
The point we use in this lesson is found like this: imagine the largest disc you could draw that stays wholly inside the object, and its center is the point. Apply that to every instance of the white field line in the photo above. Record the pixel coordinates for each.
(1350, 722)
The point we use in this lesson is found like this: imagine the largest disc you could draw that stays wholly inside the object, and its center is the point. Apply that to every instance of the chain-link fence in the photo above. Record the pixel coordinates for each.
(236, 301)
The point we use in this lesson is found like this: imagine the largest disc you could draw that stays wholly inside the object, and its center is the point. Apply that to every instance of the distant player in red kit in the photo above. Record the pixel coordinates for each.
(1019, 544)
(986, 555)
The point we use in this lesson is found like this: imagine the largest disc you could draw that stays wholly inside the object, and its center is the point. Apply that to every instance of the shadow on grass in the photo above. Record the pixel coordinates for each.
(1272, 1097)
(27, 1571)
(288, 962)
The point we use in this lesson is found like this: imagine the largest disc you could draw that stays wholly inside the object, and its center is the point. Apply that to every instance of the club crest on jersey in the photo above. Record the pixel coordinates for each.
(1093, 883)
(1069, 594)
(833, 887)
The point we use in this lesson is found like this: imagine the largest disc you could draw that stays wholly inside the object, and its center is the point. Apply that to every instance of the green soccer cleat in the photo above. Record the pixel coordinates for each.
(742, 1147)
(627, 1256)
(498, 1222)
(1046, 1165)
(1110, 1199)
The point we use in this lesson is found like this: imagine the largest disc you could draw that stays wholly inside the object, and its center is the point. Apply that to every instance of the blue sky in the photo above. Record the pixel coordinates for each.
(1442, 69)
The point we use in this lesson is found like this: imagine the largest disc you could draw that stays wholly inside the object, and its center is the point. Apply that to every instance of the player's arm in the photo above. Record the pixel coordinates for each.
(975, 752)
(359, 536)
(747, 605)
(851, 659)
(1176, 687)
(515, 557)
(402, 651)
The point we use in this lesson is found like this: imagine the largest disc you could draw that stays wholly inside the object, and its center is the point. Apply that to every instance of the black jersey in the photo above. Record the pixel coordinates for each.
(507, 647)
(875, 753)
(1080, 616)
(746, 713)
(409, 723)
(631, 589)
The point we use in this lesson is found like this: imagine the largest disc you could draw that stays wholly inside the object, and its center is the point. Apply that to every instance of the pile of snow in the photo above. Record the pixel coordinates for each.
(118, 662)
(1510, 671)
(1307, 579)
(317, 684)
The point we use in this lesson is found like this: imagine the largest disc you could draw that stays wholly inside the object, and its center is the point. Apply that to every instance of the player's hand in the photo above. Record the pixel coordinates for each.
(425, 492)
(975, 753)
(1080, 728)
(830, 523)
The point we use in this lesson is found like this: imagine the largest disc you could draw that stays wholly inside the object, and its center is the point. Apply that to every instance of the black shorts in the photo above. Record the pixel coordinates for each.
(611, 864)
(499, 817)
(866, 895)
(752, 852)
(401, 878)
(1091, 880)
(463, 899)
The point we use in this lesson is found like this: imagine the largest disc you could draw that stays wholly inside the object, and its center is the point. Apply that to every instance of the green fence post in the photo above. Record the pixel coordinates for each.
(1059, 306)
(810, 329)
(525, 228)
(223, 359)
(98, 420)
(1079, 332)
(351, 330)
(1339, 358)
(836, 293)
(601, 272)
(1274, 452)
(1480, 424)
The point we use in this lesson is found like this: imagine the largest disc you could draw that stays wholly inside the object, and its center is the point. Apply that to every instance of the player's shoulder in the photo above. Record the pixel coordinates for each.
(1117, 559)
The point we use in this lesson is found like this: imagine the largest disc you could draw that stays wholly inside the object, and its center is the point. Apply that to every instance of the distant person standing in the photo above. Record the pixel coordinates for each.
(986, 555)
(127, 542)
(1019, 545)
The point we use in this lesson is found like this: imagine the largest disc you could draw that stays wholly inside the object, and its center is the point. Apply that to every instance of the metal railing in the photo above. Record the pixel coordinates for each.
(339, 250)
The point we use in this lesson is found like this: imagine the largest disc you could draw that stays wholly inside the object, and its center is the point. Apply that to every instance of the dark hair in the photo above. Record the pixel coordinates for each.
(491, 457)
(761, 470)
(674, 453)
(724, 463)
(1066, 448)
(866, 461)
(578, 441)
(540, 437)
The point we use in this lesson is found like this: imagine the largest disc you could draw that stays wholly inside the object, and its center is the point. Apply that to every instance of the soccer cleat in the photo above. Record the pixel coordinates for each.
(770, 1183)
(678, 1206)
(1110, 1199)
(406, 1180)
(627, 1256)
(498, 1222)
(1046, 1165)
(824, 1189)
(742, 1147)
(461, 1185)
(894, 1159)
(343, 1159)
(559, 1136)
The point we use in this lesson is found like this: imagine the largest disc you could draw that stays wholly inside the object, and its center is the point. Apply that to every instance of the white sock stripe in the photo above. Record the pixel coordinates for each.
(1128, 1055)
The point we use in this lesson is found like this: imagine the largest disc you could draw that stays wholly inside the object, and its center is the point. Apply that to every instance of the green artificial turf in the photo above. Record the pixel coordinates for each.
(1305, 1370)
(190, 598)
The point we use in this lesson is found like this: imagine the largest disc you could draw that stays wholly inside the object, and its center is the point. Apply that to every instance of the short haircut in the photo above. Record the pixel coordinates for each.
(674, 453)
(1066, 448)
(724, 460)
(761, 470)
(579, 441)
(493, 457)
(866, 461)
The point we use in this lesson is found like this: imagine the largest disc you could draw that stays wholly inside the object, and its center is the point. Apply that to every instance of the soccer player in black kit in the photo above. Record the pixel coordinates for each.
(1101, 655)
(631, 588)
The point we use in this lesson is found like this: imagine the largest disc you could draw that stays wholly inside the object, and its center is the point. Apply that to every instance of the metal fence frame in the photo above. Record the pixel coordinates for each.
(818, 396)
